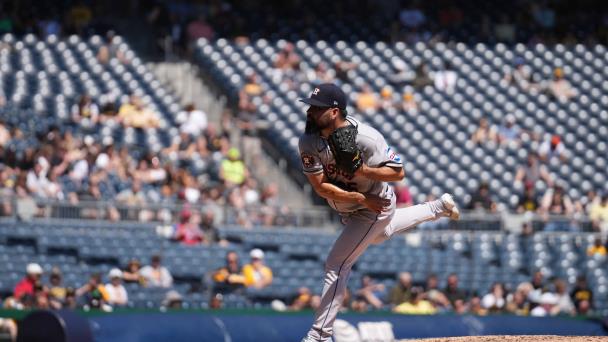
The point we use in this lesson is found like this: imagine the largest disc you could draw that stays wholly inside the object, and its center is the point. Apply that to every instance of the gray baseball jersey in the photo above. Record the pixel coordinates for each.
(317, 157)
(361, 227)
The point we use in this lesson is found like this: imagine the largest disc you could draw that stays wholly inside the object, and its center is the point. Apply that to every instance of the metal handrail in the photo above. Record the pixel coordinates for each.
(30, 208)
(316, 216)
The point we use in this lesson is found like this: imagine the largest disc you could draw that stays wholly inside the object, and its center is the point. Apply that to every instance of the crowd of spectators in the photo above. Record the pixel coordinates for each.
(554, 208)
(540, 192)
(64, 165)
(34, 291)
(233, 278)
(200, 168)
(539, 297)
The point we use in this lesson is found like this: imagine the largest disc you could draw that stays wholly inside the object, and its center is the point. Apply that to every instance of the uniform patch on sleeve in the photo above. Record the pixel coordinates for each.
(392, 156)
(307, 160)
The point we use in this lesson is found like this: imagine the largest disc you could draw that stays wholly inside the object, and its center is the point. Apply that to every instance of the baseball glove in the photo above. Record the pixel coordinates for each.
(343, 145)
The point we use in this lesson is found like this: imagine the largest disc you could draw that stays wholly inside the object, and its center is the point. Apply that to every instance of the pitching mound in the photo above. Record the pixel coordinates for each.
(528, 338)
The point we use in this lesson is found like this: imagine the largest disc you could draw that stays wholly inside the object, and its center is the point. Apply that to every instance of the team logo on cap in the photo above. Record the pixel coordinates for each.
(316, 91)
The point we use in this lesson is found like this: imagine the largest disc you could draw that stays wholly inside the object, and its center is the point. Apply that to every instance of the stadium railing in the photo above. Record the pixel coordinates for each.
(166, 213)
(319, 216)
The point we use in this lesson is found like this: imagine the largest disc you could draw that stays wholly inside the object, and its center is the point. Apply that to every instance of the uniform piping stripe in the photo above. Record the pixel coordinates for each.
(340, 270)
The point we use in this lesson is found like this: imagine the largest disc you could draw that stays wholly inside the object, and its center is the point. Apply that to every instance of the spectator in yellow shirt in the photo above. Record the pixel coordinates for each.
(416, 305)
(257, 274)
(597, 248)
(229, 278)
(367, 100)
(252, 87)
(94, 293)
(233, 170)
(136, 114)
(598, 213)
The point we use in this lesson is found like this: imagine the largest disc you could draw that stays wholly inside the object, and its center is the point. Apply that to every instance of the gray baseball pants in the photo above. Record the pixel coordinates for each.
(362, 228)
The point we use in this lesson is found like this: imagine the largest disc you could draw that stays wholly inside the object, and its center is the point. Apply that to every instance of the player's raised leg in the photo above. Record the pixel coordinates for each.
(410, 217)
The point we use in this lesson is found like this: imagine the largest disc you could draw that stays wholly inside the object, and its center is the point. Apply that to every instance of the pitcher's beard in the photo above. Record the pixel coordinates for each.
(311, 126)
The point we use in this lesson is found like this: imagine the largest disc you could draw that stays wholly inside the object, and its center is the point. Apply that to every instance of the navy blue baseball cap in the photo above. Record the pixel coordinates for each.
(327, 95)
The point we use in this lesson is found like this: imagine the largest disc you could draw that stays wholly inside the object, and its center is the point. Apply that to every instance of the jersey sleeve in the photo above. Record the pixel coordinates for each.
(379, 153)
(311, 163)
(391, 156)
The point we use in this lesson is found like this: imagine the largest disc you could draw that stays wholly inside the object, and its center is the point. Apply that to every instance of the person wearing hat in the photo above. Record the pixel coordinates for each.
(560, 88)
(546, 304)
(28, 284)
(256, 273)
(552, 148)
(232, 169)
(408, 103)
(173, 300)
(386, 98)
(359, 192)
(117, 294)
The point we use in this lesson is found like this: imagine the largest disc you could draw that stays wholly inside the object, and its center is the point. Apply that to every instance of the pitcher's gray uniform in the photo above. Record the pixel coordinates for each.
(362, 226)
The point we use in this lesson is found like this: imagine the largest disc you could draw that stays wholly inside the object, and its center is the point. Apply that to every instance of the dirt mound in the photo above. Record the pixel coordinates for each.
(527, 338)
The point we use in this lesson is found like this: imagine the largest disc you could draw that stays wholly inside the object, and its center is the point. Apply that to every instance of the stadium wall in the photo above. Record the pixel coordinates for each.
(246, 325)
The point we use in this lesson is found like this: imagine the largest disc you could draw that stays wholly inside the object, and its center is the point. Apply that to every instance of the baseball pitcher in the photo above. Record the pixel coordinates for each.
(349, 164)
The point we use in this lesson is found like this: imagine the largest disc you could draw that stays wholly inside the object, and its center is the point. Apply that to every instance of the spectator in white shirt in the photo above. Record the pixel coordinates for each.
(445, 80)
(564, 302)
(546, 305)
(192, 121)
(37, 181)
(509, 132)
(560, 88)
(495, 301)
(117, 294)
(155, 274)
(552, 149)
(85, 113)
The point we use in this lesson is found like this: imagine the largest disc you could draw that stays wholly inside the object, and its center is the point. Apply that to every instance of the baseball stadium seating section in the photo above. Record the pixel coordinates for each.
(436, 146)
(42, 79)
(296, 257)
